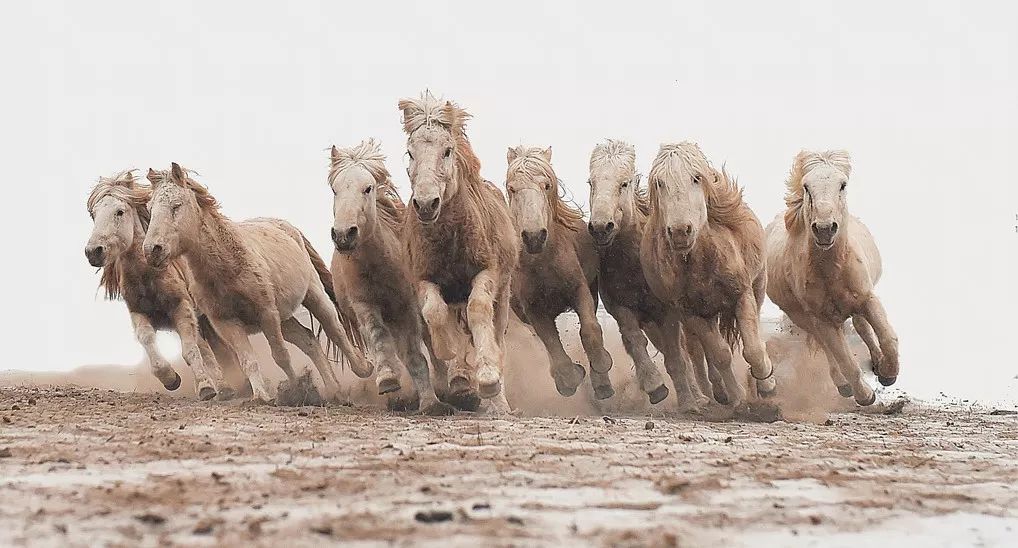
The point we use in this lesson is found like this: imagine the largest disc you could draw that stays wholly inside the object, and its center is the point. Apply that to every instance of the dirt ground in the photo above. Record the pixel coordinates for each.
(91, 466)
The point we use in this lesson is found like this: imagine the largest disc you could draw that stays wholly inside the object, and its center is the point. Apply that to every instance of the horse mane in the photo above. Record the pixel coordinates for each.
(427, 110)
(124, 187)
(206, 201)
(620, 154)
(724, 197)
(368, 155)
(805, 161)
(530, 162)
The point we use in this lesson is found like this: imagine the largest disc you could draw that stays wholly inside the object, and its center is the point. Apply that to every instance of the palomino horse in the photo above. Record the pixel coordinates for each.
(462, 248)
(369, 267)
(157, 298)
(702, 252)
(250, 276)
(618, 213)
(558, 271)
(822, 265)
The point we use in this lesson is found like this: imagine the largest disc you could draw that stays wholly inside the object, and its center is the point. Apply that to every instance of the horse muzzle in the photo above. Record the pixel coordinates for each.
(156, 255)
(96, 255)
(427, 209)
(603, 233)
(824, 234)
(345, 240)
(534, 240)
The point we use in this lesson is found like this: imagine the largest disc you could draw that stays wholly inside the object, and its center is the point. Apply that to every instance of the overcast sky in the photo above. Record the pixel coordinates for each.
(923, 96)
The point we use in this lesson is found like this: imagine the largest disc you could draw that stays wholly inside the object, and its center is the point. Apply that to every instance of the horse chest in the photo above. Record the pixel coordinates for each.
(622, 283)
(145, 295)
(704, 287)
(827, 297)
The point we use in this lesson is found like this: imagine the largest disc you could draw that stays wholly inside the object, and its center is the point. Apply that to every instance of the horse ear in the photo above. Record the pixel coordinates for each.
(546, 153)
(636, 180)
(153, 177)
(177, 173)
(511, 155)
(335, 152)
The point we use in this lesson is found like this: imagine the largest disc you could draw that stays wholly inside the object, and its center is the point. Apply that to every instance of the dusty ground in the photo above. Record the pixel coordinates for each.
(89, 466)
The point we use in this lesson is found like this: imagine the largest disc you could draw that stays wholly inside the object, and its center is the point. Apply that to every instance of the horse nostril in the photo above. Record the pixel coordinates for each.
(98, 252)
(609, 227)
(689, 229)
(543, 235)
(590, 227)
(417, 205)
(834, 227)
(434, 203)
(352, 232)
(157, 250)
(333, 234)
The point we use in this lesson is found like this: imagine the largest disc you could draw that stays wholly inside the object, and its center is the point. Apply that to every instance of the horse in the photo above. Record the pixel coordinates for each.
(558, 272)
(823, 264)
(618, 213)
(370, 268)
(462, 249)
(703, 254)
(250, 276)
(156, 298)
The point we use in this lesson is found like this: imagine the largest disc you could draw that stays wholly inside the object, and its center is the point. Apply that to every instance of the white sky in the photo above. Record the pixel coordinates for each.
(922, 95)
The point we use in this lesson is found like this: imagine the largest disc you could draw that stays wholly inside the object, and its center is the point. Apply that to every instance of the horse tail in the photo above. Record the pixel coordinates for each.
(346, 320)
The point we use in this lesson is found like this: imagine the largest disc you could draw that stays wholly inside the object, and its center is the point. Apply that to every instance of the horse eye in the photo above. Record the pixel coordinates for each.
(120, 213)
(697, 179)
(512, 190)
(547, 186)
(843, 185)
(368, 189)
(448, 152)
(625, 184)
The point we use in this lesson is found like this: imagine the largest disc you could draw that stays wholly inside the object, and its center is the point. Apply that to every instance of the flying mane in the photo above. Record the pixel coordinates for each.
(368, 155)
(724, 197)
(529, 163)
(206, 201)
(122, 186)
(805, 162)
(618, 153)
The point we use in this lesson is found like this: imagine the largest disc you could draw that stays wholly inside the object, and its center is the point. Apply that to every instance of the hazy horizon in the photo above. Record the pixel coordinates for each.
(251, 99)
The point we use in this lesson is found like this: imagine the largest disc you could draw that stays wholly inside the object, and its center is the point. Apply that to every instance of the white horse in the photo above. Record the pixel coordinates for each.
(822, 266)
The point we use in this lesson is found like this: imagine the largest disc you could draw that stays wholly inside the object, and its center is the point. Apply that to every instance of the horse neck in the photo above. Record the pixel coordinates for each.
(215, 254)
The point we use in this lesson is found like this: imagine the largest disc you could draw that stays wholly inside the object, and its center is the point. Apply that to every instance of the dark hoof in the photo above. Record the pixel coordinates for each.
(766, 393)
(175, 384)
(721, 396)
(568, 389)
(658, 394)
(845, 391)
(459, 384)
(206, 393)
(872, 400)
(401, 404)
(298, 393)
(490, 390)
(388, 385)
(887, 381)
(603, 392)
(439, 409)
(464, 401)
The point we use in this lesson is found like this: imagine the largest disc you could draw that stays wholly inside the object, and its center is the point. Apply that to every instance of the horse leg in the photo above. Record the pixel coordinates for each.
(437, 319)
(567, 375)
(833, 339)
(865, 331)
(593, 344)
(320, 306)
(212, 363)
(747, 319)
(306, 341)
(705, 379)
(887, 370)
(161, 368)
(381, 345)
(481, 323)
(666, 337)
(718, 354)
(234, 335)
(417, 366)
(208, 377)
(635, 343)
(296, 389)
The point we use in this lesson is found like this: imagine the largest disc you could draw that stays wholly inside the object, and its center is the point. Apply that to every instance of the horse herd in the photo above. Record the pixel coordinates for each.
(680, 261)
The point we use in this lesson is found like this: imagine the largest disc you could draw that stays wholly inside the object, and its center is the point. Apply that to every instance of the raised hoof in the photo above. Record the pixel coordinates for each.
(567, 387)
(887, 381)
(439, 409)
(658, 394)
(459, 384)
(401, 404)
(872, 400)
(226, 394)
(206, 393)
(174, 384)
(766, 393)
(386, 386)
(490, 390)
(603, 392)
(298, 392)
(845, 391)
(721, 396)
(464, 401)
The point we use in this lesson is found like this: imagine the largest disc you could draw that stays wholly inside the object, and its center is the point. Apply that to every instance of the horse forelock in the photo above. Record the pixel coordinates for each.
(206, 201)
(620, 155)
(368, 156)
(804, 162)
(722, 193)
(529, 163)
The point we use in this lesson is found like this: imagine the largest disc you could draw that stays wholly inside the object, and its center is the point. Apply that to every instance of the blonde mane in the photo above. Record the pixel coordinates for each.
(620, 154)
(206, 201)
(368, 155)
(427, 110)
(122, 186)
(805, 161)
(724, 197)
(529, 163)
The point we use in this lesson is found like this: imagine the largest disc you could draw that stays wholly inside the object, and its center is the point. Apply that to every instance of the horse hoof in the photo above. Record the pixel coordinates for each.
(402, 405)
(226, 394)
(865, 403)
(566, 386)
(439, 409)
(459, 384)
(388, 385)
(464, 401)
(721, 396)
(206, 393)
(845, 391)
(490, 390)
(766, 393)
(887, 381)
(603, 392)
(658, 394)
(174, 384)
